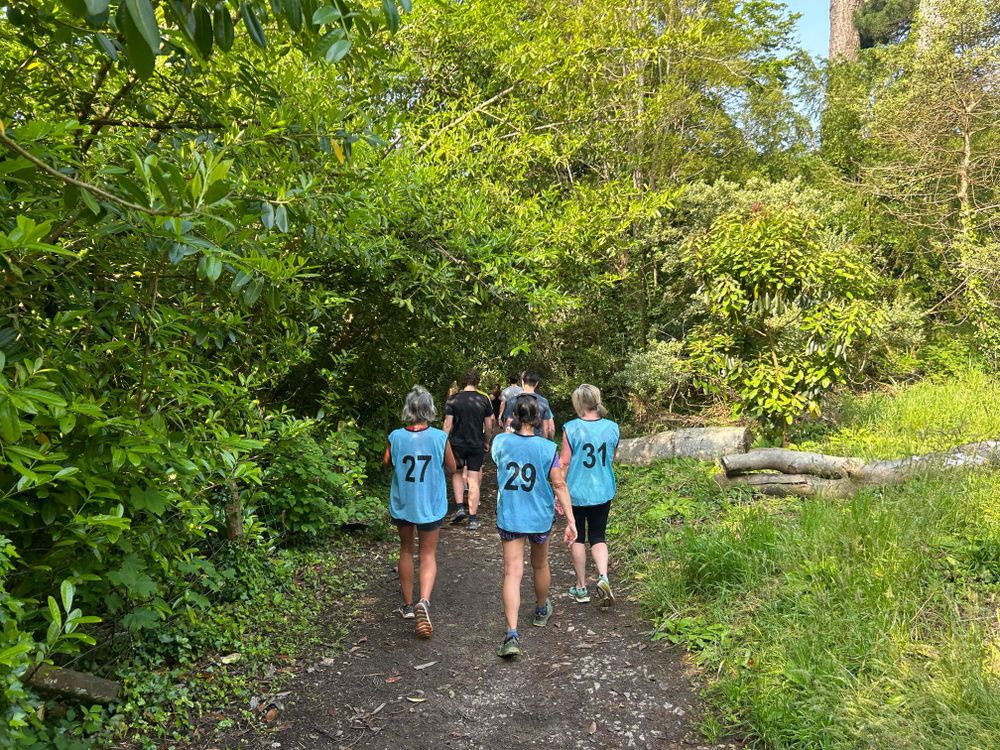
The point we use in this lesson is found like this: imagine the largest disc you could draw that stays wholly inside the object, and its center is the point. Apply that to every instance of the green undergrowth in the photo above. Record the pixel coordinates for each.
(931, 415)
(181, 686)
(836, 625)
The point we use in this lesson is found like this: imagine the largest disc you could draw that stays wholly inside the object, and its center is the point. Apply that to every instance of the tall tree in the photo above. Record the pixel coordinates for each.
(845, 40)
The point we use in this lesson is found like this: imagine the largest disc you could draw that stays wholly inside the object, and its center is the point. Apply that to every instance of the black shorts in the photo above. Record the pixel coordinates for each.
(420, 526)
(469, 457)
(591, 523)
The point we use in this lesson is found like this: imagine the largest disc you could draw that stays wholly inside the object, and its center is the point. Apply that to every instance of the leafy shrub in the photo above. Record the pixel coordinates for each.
(655, 376)
(787, 311)
(310, 485)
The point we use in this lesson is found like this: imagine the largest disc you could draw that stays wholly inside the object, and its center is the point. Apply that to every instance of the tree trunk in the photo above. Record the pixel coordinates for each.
(931, 18)
(79, 685)
(234, 514)
(802, 473)
(845, 41)
(705, 443)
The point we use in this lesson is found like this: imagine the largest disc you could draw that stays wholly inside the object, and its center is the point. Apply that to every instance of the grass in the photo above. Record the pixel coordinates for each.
(840, 625)
(930, 415)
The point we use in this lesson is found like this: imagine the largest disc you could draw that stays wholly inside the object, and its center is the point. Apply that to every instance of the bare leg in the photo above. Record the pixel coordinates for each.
(513, 571)
(428, 562)
(405, 567)
(458, 487)
(599, 552)
(579, 553)
(475, 478)
(540, 571)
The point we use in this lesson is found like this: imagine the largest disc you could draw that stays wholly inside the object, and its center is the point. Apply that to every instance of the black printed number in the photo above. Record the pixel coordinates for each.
(526, 473)
(591, 460)
(411, 462)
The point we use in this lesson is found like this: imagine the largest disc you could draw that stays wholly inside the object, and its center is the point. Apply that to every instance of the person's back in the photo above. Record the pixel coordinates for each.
(469, 411)
(590, 476)
(547, 426)
(418, 493)
(526, 501)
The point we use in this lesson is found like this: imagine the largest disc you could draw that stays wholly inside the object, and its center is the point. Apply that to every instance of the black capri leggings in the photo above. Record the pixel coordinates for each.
(591, 522)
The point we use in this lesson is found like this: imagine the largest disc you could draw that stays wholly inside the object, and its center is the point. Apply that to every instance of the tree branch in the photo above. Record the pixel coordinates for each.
(13, 146)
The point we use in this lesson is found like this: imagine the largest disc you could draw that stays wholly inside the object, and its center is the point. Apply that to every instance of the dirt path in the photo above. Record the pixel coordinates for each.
(590, 679)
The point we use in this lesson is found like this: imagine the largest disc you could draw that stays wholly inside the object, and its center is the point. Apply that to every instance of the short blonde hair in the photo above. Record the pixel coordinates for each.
(588, 398)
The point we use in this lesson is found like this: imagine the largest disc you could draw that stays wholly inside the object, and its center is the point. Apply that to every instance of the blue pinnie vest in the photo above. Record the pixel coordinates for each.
(526, 503)
(590, 477)
(418, 493)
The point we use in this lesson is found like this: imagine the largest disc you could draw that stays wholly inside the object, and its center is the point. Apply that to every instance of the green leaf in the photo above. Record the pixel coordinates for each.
(54, 611)
(96, 7)
(281, 218)
(338, 50)
(253, 25)
(326, 14)
(9, 656)
(293, 12)
(407, 5)
(144, 17)
(222, 25)
(142, 59)
(203, 32)
(391, 13)
(267, 215)
(67, 590)
(76, 7)
(10, 423)
(213, 268)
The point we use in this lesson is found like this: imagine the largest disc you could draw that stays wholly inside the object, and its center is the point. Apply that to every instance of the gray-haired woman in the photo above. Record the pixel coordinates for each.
(418, 498)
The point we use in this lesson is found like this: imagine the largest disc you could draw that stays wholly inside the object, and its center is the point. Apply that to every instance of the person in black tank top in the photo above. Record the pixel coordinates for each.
(469, 423)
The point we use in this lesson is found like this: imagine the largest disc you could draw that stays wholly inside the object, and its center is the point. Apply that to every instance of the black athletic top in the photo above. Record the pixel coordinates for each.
(468, 410)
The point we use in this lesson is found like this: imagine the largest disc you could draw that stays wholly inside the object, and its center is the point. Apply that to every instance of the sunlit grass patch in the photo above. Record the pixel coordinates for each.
(931, 415)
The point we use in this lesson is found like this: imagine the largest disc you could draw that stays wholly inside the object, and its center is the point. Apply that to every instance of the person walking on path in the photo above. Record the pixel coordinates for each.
(547, 424)
(468, 423)
(530, 479)
(419, 455)
(507, 396)
(588, 451)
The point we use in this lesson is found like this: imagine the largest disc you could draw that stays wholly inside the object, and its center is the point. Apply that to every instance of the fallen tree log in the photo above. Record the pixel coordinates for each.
(705, 443)
(79, 685)
(780, 472)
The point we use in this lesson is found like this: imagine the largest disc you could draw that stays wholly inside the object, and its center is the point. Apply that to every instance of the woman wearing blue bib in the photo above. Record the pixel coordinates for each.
(418, 499)
(588, 451)
(529, 480)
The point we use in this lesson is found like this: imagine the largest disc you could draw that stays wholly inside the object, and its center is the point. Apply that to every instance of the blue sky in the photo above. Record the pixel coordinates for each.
(814, 25)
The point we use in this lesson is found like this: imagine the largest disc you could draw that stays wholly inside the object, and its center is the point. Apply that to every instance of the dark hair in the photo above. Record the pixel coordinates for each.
(513, 378)
(530, 378)
(471, 377)
(526, 412)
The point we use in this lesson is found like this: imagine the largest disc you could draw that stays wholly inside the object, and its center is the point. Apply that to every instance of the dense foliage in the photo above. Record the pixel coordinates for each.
(233, 233)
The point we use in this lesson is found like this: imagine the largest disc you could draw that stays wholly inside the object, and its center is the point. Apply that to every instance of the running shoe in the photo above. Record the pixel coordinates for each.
(604, 592)
(407, 611)
(473, 523)
(542, 614)
(510, 647)
(422, 611)
(580, 594)
(460, 515)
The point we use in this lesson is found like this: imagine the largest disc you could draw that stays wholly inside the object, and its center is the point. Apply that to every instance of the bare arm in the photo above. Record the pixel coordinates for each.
(449, 458)
(562, 495)
(549, 429)
(566, 455)
(449, 422)
(387, 457)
